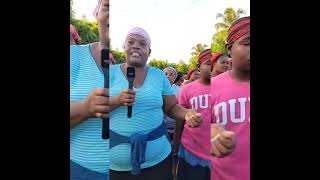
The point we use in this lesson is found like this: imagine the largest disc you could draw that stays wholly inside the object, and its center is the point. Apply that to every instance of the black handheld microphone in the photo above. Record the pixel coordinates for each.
(130, 75)
(105, 70)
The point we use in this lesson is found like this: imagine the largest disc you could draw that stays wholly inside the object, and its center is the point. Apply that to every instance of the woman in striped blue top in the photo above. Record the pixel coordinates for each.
(89, 153)
(139, 146)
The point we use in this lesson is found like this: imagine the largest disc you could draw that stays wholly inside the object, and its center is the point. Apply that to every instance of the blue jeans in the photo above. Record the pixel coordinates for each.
(78, 172)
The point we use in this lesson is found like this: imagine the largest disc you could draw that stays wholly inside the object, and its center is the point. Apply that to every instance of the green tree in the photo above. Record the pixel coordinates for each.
(198, 49)
(71, 10)
(219, 39)
(193, 62)
(161, 64)
(174, 65)
(194, 55)
(88, 31)
(227, 18)
(118, 56)
(182, 67)
(219, 42)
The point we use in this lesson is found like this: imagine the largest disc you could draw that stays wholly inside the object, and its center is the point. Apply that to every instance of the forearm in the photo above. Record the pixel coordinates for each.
(103, 35)
(103, 24)
(78, 113)
(173, 109)
(177, 112)
(114, 102)
(177, 135)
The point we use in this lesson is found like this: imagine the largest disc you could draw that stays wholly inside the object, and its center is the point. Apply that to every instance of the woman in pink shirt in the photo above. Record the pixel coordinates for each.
(230, 94)
(194, 152)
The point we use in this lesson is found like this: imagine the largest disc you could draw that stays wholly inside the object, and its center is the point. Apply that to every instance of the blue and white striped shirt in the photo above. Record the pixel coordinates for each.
(87, 148)
(147, 114)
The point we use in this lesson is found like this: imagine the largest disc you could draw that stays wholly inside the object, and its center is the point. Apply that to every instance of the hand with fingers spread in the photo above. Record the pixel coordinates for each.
(193, 118)
(223, 142)
(127, 97)
(97, 104)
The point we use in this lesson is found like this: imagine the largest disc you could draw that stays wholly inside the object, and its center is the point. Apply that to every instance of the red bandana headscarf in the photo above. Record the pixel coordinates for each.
(215, 57)
(189, 74)
(239, 28)
(204, 55)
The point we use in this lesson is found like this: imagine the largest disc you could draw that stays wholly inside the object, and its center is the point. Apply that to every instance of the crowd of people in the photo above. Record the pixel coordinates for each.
(183, 127)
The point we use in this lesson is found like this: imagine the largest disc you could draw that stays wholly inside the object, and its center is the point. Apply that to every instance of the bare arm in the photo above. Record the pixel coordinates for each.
(177, 135)
(78, 113)
(172, 109)
(176, 112)
(179, 125)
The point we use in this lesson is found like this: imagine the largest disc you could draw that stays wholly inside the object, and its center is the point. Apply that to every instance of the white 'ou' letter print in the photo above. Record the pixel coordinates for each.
(249, 115)
(232, 103)
(194, 103)
(206, 97)
(223, 106)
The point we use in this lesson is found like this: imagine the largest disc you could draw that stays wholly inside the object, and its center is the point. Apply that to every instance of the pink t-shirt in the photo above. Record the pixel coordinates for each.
(231, 107)
(197, 140)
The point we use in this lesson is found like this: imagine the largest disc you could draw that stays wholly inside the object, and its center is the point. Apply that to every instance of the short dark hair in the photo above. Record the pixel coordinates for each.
(179, 76)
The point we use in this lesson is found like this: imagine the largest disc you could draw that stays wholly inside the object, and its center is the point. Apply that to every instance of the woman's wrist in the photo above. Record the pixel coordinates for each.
(185, 113)
(84, 110)
(114, 101)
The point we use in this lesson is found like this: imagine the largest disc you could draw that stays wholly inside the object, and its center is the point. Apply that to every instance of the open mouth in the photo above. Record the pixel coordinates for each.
(135, 54)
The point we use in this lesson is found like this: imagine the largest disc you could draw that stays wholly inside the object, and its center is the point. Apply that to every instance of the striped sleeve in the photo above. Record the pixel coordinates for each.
(74, 63)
